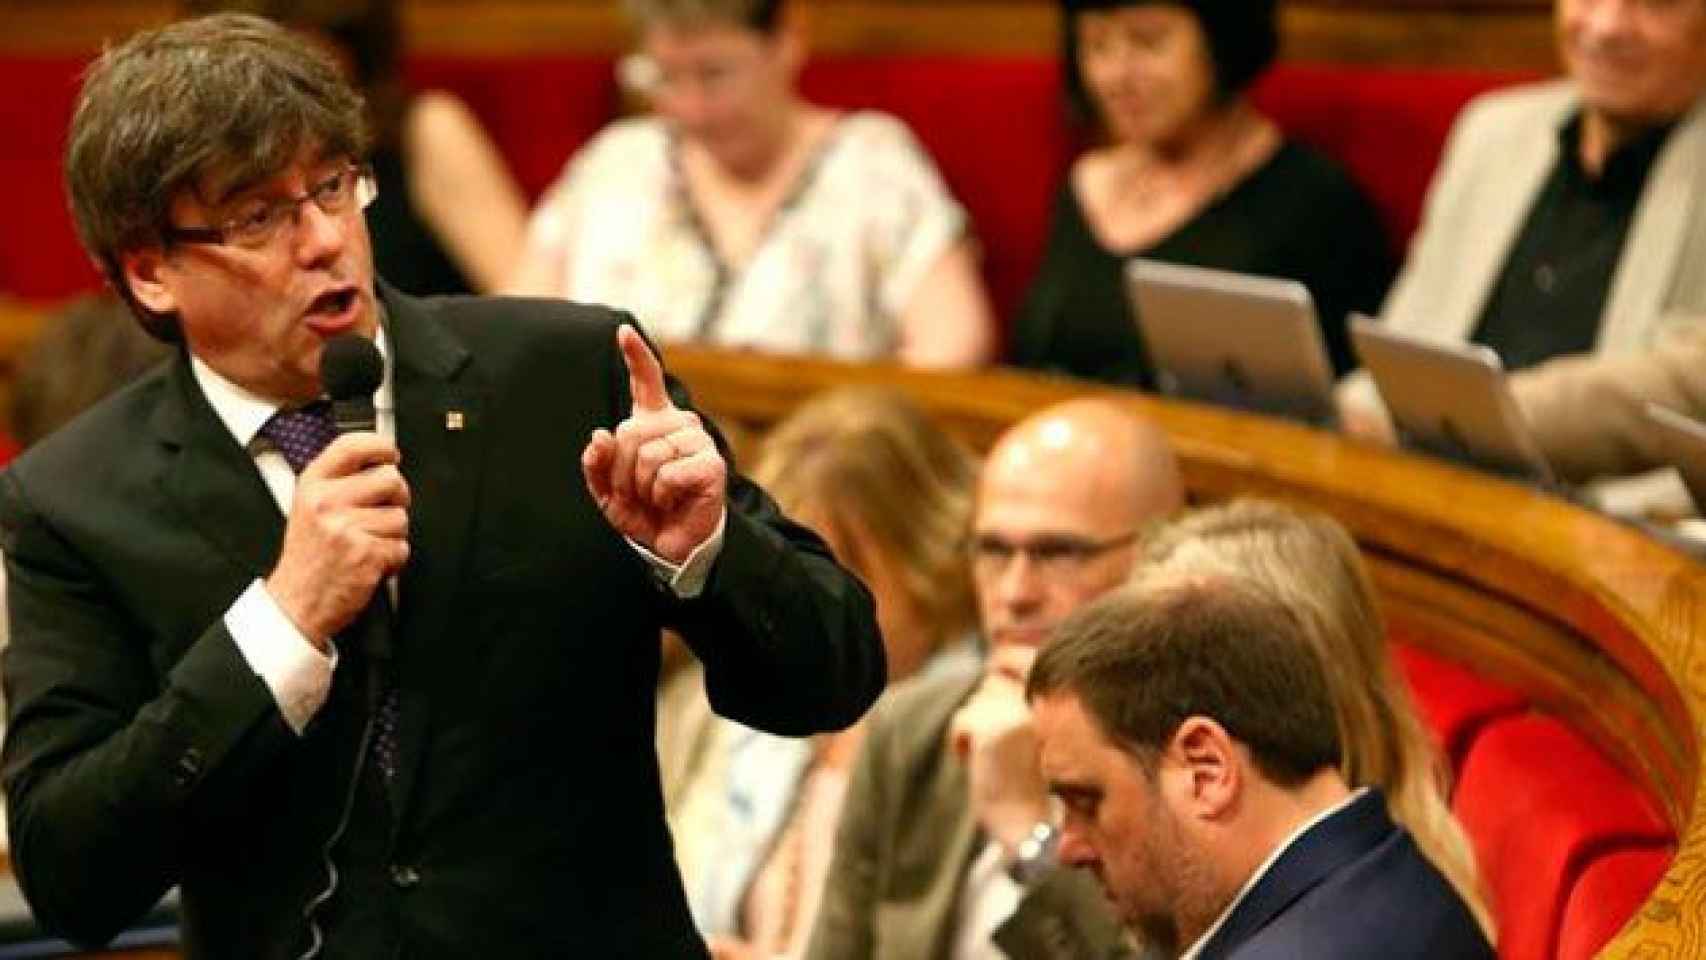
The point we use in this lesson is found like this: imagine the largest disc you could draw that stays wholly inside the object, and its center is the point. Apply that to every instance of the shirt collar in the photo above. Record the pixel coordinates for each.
(1626, 169)
(1195, 950)
(244, 412)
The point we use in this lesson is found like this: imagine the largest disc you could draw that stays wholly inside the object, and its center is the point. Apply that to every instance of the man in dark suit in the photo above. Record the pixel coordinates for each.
(1187, 729)
(390, 696)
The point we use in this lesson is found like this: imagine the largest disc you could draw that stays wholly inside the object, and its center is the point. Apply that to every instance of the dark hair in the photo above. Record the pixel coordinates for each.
(211, 105)
(368, 32)
(760, 15)
(1150, 655)
(84, 352)
(1243, 39)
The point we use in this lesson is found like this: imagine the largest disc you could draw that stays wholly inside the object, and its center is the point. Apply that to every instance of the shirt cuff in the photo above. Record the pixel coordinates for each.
(298, 675)
(687, 580)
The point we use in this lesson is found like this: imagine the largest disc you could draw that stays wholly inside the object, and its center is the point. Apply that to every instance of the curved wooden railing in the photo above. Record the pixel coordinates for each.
(1591, 619)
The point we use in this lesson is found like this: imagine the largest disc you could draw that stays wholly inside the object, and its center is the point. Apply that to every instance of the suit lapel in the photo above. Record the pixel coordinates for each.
(943, 916)
(935, 856)
(1500, 216)
(1648, 266)
(212, 479)
(439, 409)
(1324, 848)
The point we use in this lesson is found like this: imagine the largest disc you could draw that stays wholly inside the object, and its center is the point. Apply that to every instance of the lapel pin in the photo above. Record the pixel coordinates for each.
(454, 420)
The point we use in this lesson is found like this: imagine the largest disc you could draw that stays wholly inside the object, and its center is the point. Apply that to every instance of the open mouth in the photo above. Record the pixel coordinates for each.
(332, 311)
(333, 303)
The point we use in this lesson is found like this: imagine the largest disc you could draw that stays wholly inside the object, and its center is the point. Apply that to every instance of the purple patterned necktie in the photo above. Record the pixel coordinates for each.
(300, 435)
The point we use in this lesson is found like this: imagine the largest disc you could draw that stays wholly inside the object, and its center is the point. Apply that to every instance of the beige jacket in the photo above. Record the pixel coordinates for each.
(1497, 159)
(907, 839)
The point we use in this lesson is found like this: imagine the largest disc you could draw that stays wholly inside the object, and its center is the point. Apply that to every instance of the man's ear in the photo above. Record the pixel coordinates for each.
(1211, 764)
(144, 272)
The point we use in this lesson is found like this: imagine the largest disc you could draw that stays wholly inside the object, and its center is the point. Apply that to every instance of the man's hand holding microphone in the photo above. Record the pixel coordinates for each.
(348, 529)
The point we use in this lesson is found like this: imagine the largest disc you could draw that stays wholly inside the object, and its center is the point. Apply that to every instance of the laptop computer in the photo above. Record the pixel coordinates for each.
(1450, 400)
(1233, 339)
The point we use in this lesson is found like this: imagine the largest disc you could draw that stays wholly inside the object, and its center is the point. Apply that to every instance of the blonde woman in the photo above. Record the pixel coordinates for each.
(892, 496)
(1314, 564)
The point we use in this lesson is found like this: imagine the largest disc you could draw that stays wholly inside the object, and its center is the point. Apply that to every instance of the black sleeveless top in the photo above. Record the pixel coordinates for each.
(1298, 216)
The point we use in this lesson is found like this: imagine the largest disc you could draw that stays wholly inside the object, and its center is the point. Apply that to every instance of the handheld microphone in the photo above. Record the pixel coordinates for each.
(350, 370)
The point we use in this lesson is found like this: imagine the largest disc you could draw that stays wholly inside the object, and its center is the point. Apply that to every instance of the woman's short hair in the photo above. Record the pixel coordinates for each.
(1312, 563)
(868, 459)
(760, 15)
(1243, 39)
(84, 352)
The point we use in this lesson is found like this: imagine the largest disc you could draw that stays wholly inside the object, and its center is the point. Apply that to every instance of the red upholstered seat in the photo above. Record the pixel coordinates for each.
(996, 127)
(538, 110)
(1607, 895)
(40, 258)
(1539, 804)
(1454, 700)
(997, 130)
(1387, 125)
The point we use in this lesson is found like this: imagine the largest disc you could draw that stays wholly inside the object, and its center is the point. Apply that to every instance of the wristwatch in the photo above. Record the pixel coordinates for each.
(1036, 854)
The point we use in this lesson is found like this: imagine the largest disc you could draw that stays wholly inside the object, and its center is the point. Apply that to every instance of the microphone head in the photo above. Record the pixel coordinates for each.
(350, 368)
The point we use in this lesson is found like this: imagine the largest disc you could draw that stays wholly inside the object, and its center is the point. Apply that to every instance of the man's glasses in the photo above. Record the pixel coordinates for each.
(1058, 557)
(259, 221)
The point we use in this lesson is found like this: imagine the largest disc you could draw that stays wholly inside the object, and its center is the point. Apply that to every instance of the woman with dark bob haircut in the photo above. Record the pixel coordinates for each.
(1186, 170)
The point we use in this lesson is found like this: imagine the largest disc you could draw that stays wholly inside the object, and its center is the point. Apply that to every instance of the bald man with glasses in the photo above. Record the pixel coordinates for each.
(946, 844)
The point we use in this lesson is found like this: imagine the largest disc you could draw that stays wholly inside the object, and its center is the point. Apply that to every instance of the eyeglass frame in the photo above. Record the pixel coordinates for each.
(363, 190)
(1051, 555)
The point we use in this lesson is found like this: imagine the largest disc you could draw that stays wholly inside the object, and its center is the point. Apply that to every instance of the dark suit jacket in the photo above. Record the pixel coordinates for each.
(143, 752)
(1353, 886)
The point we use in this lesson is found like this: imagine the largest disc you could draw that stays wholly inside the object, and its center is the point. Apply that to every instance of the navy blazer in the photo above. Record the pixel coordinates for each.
(528, 822)
(1354, 886)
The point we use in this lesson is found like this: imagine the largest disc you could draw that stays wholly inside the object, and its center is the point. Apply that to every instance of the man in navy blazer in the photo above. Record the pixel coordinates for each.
(1186, 726)
(388, 694)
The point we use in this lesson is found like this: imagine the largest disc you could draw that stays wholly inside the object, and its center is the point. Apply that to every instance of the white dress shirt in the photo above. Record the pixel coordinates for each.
(1196, 948)
(296, 672)
(990, 897)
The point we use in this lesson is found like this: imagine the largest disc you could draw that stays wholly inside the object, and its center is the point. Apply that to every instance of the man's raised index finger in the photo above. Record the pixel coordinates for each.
(645, 374)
